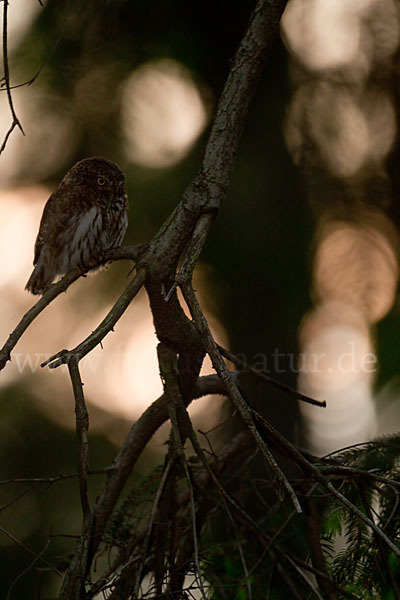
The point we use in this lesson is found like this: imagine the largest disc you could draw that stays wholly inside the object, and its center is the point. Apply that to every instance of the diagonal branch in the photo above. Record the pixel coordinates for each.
(139, 435)
(232, 389)
(31, 552)
(264, 377)
(30, 316)
(107, 325)
(246, 68)
(121, 253)
(285, 446)
(208, 189)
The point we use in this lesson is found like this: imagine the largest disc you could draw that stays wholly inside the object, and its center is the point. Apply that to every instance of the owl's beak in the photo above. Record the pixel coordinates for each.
(121, 198)
(120, 194)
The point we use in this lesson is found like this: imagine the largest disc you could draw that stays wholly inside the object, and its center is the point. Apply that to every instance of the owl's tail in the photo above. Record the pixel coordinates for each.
(40, 280)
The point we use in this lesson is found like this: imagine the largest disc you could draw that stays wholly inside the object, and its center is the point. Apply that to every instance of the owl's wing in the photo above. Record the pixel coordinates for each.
(61, 211)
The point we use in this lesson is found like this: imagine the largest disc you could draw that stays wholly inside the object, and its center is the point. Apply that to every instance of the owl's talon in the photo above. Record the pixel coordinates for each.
(82, 271)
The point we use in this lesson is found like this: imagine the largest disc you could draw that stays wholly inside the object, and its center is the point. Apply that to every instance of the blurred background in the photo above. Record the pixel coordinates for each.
(298, 276)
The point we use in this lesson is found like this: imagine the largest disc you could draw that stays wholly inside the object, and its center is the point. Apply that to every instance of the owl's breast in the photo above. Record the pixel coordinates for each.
(115, 222)
(81, 240)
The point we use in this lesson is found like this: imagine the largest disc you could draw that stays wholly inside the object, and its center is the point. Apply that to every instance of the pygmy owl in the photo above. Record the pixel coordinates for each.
(87, 214)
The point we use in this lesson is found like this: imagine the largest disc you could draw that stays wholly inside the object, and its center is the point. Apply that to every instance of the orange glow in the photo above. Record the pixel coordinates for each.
(356, 263)
(336, 348)
(349, 418)
(49, 139)
(323, 34)
(163, 113)
(337, 34)
(342, 125)
(355, 282)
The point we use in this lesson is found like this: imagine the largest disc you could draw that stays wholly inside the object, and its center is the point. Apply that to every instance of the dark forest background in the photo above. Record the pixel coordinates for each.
(258, 275)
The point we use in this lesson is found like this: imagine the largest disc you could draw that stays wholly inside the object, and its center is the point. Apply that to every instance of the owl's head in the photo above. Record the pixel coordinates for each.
(100, 175)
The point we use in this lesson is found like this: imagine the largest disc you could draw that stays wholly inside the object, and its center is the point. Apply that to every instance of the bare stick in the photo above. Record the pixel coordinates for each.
(52, 293)
(192, 252)
(209, 188)
(307, 466)
(28, 568)
(149, 531)
(135, 442)
(122, 253)
(15, 120)
(19, 543)
(45, 62)
(235, 395)
(74, 582)
(82, 426)
(55, 478)
(107, 325)
(260, 375)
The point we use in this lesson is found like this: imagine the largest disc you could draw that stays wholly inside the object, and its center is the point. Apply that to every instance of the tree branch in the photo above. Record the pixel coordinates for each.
(264, 377)
(286, 447)
(6, 79)
(107, 325)
(234, 393)
(122, 253)
(74, 583)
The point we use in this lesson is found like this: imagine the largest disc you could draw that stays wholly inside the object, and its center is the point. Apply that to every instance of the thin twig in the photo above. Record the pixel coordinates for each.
(107, 325)
(139, 435)
(28, 568)
(56, 478)
(264, 377)
(307, 567)
(49, 55)
(346, 471)
(302, 575)
(52, 293)
(284, 445)
(194, 527)
(14, 500)
(31, 552)
(122, 253)
(15, 120)
(395, 505)
(168, 364)
(154, 508)
(192, 252)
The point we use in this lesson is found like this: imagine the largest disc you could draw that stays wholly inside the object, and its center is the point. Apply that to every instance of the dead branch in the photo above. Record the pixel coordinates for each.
(6, 80)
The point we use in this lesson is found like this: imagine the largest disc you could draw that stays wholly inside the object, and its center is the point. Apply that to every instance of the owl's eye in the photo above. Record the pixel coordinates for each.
(101, 180)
